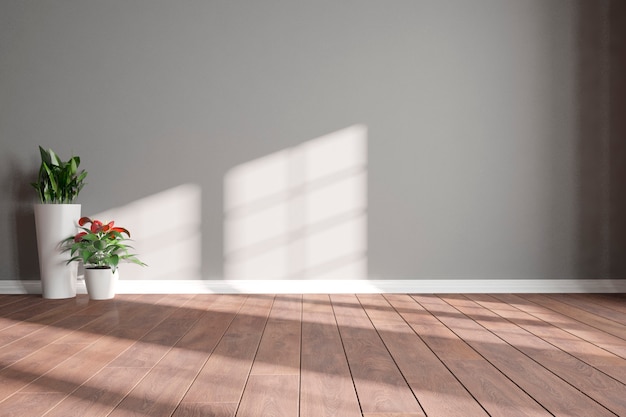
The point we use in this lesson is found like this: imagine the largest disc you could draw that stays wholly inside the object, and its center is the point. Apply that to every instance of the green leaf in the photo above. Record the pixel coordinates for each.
(85, 254)
(73, 167)
(58, 181)
(99, 244)
(45, 156)
(51, 183)
(54, 158)
(75, 247)
(74, 259)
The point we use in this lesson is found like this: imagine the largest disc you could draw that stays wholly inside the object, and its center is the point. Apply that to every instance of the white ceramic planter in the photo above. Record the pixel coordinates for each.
(101, 283)
(54, 223)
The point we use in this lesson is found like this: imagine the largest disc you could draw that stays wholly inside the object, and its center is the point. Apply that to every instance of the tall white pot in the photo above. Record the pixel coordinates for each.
(101, 283)
(55, 222)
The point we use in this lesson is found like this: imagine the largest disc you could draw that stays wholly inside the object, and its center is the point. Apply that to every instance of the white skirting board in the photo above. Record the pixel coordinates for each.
(342, 286)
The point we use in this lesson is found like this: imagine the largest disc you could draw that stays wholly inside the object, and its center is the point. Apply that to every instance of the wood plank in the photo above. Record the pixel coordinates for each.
(73, 319)
(615, 302)
(68, 375)
(589, 305)
(274, 382)
(553, 393)
(223, 377)
(188, 409)
(155, 344)
(497, 394)
(99, 395)
(194, 350)
(588, 352)
(435, 387)
(38, 338)
(438, 337)
(108, 316)
(15, 377)
(392, 415)
(8, 299)
(14, 353)
(584, 331)
(29, 405)
(379, 384)
(78, 368)
(598, 386)
(270, 396)
(606, 325)
(13, 313)
(22, 322)
(204, 337)
(279, 350)
(326, 384)
(163, 388)
(29, 366)
(293, 355)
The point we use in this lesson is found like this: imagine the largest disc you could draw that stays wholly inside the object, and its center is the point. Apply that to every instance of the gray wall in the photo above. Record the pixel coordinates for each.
(495, 146)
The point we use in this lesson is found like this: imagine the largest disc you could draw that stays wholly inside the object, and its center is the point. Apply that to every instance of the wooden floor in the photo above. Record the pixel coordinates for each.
(314, 355)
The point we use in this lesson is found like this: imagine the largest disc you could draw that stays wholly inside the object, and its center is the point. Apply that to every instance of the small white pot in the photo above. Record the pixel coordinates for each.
(101, 283)
(55, 222)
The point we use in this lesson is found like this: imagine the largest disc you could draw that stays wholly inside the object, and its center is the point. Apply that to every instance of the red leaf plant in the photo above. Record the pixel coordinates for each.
(100, 245)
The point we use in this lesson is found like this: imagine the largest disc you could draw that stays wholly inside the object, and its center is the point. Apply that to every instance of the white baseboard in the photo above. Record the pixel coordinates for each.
(341, 286)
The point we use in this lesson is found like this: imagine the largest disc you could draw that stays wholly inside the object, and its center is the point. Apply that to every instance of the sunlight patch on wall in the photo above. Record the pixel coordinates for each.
(300, 213)
(166, 232)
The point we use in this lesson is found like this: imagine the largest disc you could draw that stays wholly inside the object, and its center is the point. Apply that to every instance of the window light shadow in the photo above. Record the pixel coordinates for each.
(166, 233)
(217, 326)
(300, 213)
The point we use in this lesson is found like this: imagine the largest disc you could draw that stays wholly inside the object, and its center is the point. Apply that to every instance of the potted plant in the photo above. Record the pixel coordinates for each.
(100, 247)
(58, 185)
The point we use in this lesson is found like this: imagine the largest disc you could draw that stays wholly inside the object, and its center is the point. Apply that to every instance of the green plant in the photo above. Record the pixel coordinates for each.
(58, 182)
(100, 245)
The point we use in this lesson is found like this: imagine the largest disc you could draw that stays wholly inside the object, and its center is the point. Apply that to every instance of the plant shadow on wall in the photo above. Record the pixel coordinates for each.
(23, 222)
(299, 213)
(166, 232)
